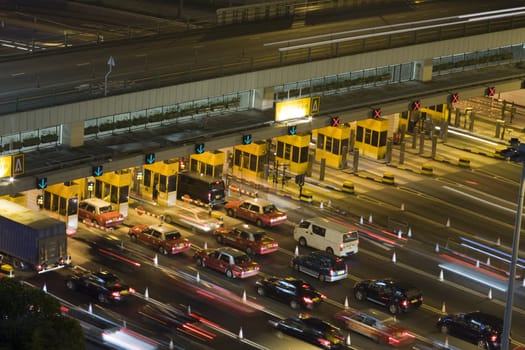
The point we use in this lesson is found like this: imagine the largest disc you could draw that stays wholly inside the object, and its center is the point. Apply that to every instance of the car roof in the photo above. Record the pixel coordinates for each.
(249, 228)
(258, 201)
(96, 202)
(486, 318)
(324, 255)
(163, 228)
(231, 251)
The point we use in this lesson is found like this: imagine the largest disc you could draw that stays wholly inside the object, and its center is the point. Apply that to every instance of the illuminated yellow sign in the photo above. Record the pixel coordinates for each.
(292, 109)
(5, 166)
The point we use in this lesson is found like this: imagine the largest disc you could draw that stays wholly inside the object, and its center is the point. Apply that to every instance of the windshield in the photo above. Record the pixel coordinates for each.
(350, 236)
(172, 235)
(258, 236)
(106, 209)
(269, 209)
(242, 259)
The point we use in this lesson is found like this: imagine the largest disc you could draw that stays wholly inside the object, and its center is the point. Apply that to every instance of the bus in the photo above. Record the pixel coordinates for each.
(202, 188)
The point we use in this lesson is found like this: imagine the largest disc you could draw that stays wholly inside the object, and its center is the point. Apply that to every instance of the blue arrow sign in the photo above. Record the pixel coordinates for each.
(199, 148)
(97, 170)
(41, 183)
(246, 139)
(292, 130)
(150, 158)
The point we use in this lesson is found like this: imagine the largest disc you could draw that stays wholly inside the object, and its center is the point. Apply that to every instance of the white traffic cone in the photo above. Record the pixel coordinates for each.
(402, 206)
(488, 260)
(394, 259)
(90, 308)
(348, 340)
(205, 245)
(400, 234)
(498, 242)
(477, 263)
(490, 294)
(244, 296)
(409, 233)
(189, 309)
(443, 308)
(156, 260)
(198, 277)
(441, 277)
(44, 288)
(448, 223)
(437, 247)
(370, 218)
(171, 346)
(146, 293)
(296, 250)
(361, 220)
(346, 302)
(241, 336)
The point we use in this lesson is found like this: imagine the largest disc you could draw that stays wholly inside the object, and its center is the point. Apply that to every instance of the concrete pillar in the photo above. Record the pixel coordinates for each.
(389, 146)
(415, 132)
(322, 169)
(434, 146)
(73, 134)
(356, 160)
(402, 152)
(421, 143)
(263, 98)
(423, 70)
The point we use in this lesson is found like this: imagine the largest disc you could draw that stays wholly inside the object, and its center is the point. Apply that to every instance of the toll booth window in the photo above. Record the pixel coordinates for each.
(335, 149)
(304, 155)
(260, 165)
(237, 158)
(280, 149)
(98, 188)
(62, 208)
(194, 165)
(208, 169)
(217, 171)
(439, 108)
(114, 194)
(287, 151)
(54, 203)
(375, 138)
(382, 140)
(404, 115)
(368, 136)
(344, 143)
(147, 177)
(359, 134)
(124, 193)
(328, 145)
(320, 141)
(162, 183)
(72, 206)
(172, 183)
(295, 154)
(47, 200)
(253, 162)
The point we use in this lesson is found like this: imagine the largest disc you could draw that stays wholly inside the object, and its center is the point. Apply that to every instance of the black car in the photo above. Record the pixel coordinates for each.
(476, 327)
(312, 330)
(103, 285)
(394, 295)
(295, 292)
(320, 264)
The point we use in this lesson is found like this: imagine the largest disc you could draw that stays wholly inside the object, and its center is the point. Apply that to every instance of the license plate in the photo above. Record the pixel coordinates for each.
(340, 272)
(123, 292)
(414, 301)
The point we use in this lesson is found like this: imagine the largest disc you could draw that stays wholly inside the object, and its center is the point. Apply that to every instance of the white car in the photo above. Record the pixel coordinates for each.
(192, 218)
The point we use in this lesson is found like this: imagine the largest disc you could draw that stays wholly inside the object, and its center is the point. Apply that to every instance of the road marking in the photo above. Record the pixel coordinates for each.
(17, 74)
(83, 64)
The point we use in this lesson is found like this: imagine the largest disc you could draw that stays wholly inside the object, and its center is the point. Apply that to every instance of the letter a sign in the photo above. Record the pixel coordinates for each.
(315, 105)
(17, 166)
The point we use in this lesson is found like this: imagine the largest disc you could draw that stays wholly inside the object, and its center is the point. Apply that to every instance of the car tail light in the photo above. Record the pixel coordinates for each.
(331, 272)
(115, 294)
(404, 303)
(324, 342)
(131, 291)
(493, 338)
(40, 267)
(322, 296)
(307, 300)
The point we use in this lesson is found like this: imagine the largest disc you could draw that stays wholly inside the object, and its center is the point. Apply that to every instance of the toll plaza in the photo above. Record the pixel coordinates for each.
(112, 187)
(210, 163)
(158, 181)
(293, 150)
(332, 144)
(250, 159)
(61, 201)
(371, 137)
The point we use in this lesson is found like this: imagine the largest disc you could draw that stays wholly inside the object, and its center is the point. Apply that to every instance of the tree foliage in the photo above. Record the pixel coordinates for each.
(30, 319)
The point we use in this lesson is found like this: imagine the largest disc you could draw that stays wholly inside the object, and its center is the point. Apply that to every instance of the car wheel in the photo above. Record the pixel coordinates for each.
(360, 295)
(302, 242)
(200, 262)
(102, 298)
(230, 212)
(444, 329)
(482, 344)
(393, 309)
(294, 304)
(162, 250)
(168, 219)
(249, 251)
(261, 291)
(133, 238)
(219, 239)
(330, 250)
(70, 285)
(322, 277)
(259, 223)
(229, 273)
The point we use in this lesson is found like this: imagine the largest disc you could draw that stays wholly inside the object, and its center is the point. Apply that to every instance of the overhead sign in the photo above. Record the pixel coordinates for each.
(292, 109)
(150, 158)
(97, 170)
(315, 105)
(199, 148)
(292, 130)
(12, 165)
(246, 139)
(5, 166)
(41, 183)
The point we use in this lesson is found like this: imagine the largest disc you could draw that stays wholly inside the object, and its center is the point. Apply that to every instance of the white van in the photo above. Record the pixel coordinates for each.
(323, 234)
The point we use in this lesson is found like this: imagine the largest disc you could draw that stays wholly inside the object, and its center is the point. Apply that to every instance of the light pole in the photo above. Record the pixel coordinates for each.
(515, 153)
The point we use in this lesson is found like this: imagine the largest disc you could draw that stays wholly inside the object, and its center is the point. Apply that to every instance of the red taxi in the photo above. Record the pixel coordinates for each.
(232, 262)
(251, 239)
(259, 211)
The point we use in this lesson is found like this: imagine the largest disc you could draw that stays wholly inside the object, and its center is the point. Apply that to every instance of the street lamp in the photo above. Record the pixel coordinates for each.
(515, 153)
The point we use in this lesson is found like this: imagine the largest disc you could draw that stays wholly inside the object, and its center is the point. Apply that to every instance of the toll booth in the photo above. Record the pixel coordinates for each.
(208, 163)
(371, 137)
(113, 187)
(249, 160)
(332, 145)
(293, 150)
(61, 201)
(158, 181)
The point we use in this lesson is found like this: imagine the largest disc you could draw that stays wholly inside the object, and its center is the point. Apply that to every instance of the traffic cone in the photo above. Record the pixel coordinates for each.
(441, 277)
(156, 260)
(171, 346)
(394, 259)
(44, 288)
(146, 293)
(348, 340)
(448, 223)
(205, 245)
(244, 296)
(490, 294)
(437, 247)
(198, 277)
(346, 302)
(296, 251)
(400, 234)
(241, 336)
(361, 220)
(189, 309)
(90, 308)
(443, 308)
(488, 260)
(402, 206)
(477, 263)
(409, 233)
(370, 218)
(498, 242)
(321, 206)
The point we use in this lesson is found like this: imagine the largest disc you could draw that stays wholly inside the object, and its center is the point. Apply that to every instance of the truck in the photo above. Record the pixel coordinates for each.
(30, 239)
